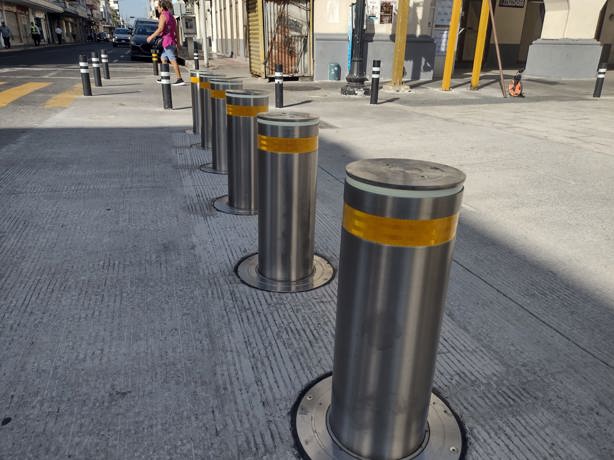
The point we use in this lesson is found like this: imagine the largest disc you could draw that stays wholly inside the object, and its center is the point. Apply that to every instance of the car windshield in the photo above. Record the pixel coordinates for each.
(121, 31)
(146, 29)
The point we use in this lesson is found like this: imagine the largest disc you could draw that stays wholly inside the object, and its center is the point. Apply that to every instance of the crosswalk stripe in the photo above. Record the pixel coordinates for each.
(12, 94)
(64, 99)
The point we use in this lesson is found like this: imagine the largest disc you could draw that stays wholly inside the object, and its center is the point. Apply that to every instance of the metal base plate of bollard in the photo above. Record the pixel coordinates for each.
(208, 168)
(222, 205)
(247, 271)
(443, 440)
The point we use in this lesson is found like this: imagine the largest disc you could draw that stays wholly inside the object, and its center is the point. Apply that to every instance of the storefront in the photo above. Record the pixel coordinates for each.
(19, 14)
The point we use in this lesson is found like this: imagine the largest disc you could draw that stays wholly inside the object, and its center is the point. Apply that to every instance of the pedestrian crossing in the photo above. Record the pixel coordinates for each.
(49, 95)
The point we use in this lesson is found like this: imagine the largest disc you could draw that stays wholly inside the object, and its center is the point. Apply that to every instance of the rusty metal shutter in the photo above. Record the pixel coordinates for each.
(255, 37)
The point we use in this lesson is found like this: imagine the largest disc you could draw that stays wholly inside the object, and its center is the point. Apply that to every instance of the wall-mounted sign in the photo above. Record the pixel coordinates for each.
(512, 3)
(443, 13)
(387, 9)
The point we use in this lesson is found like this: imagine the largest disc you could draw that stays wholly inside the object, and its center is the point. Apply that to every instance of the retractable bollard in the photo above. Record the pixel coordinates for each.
(375, 81)
(242, 107)
(104, 58)
(195, 108)
(165, 80)
(85, 75)
(399, 226)
(219, 132)
(196, 63)
(279, 86)
(204, 106)
(154, 61)
(287, 167)
(96, 67)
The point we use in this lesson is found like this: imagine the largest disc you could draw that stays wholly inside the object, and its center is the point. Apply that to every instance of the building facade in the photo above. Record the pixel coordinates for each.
(552, 38)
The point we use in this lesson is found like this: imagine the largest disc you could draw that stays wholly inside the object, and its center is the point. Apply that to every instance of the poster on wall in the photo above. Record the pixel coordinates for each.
(373, 10)
(386, 11)
(512, 3)
(443, 13)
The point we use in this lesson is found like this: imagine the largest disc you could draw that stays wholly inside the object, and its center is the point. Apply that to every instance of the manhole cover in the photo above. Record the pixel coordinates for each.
(301, 88)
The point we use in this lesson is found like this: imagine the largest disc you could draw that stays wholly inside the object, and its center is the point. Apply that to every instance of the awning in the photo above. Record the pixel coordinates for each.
(43, 5)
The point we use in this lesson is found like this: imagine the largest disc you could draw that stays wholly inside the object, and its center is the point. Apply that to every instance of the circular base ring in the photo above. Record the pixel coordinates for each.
(222, 205)
(443, 440)
(247, 271)
(208, 168)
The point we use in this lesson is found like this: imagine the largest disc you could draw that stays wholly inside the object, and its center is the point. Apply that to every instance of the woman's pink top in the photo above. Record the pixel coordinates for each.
(170, 29)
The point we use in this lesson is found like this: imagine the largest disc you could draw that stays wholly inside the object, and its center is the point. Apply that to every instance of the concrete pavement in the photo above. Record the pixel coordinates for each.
(124, 332)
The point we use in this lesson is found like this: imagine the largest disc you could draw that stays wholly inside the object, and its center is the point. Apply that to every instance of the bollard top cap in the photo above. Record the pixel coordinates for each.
(225, 83)
(405, 174)
(288, 118)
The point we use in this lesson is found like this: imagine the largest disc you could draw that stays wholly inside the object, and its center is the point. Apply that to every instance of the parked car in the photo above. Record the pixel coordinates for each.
(139, 48)
(121, 37)
(102, 37)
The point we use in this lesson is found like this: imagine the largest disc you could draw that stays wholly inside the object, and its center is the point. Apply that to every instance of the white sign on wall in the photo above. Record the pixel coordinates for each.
(443, 13)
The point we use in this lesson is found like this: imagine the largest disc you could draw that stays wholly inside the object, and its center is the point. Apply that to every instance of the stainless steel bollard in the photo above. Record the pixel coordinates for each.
(399, 225)
(204, 106)
(287, 167)
(219, 135)
(195, 108)
(242, 107)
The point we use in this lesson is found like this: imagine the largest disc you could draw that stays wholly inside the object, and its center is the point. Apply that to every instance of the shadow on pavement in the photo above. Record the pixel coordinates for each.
(119, 298)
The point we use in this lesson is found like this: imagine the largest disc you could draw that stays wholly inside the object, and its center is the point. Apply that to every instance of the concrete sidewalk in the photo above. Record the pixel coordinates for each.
(125, 333)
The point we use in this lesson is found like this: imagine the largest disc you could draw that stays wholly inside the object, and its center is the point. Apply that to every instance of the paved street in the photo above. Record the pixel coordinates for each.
(124, 332)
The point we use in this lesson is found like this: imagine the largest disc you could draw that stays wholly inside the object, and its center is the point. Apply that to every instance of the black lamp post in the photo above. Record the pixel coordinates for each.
(356, 78)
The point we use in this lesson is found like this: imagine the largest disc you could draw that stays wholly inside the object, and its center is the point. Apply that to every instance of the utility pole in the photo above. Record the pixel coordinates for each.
(400, 41)
(457, 6)
(356, 78)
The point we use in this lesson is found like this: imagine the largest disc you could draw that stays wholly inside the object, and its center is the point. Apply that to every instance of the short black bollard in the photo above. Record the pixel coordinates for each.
(603, 68)
(375, 81)
(154, 61)
(104, 57)
(165, 80)
(279, 86)
(196, 63)
(96, 66)
(85, 75)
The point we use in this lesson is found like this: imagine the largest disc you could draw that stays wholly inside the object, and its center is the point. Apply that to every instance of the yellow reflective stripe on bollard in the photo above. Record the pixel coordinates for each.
(287, 144)
(245, 110)
(194, 79)
(399, 232)
(218, 94)
(205, 85)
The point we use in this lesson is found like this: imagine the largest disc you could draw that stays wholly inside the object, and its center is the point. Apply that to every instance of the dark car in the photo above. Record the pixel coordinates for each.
(139, 48)
(121, 37)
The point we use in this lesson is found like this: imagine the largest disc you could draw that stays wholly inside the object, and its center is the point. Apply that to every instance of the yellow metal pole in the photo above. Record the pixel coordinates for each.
(480, 45)
(399, 43)
(451, 48)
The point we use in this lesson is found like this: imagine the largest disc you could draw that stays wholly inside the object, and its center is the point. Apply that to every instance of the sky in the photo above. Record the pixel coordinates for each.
(136, 8)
